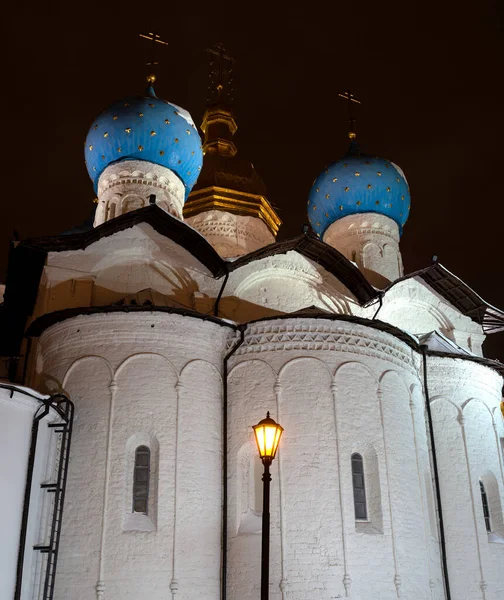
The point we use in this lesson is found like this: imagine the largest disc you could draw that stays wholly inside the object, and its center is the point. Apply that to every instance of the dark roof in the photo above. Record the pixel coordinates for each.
(321, 253)
(230, 172)
(160, 220)
(459, 295)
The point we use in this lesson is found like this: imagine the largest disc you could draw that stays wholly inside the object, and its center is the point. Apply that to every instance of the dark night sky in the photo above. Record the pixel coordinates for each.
(429, 76)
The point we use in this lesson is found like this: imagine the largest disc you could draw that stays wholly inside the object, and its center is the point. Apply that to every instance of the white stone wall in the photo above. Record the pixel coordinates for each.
(469, 430)
(135, 379)
(372, 241)
(127, 185)
(337, 388)
(232, 235)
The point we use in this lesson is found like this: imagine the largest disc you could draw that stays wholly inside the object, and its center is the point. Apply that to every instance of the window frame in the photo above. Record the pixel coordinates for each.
(357, 459)
(486, 507)
(141, 450)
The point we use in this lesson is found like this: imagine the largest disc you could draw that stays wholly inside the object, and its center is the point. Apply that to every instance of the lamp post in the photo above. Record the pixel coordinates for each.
(267, 434)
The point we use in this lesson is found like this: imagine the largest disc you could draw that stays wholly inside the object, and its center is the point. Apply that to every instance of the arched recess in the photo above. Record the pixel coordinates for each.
(494, 495)
(309, 473)
(251, 393)
(416, 316)
(484, 460)
(458, 508)
(198, 504)
(249, 497)
(418, 414)
(87, 383)
(133, 521)
(372, 257)
(131, 202)
(405, 484)
(357, 418)
(145, 402)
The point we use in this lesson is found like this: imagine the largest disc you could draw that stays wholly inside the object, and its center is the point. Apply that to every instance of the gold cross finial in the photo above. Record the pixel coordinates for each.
(351, 99)
(221, 71)
(155, 39)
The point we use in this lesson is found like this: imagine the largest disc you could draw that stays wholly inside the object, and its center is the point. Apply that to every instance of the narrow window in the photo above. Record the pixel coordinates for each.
(486, 512)
(141, 480)
(359, 491)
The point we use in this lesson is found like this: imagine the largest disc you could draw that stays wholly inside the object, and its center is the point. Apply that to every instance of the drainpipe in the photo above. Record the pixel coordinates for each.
(241, 329)
(442, 541)
(221, 291)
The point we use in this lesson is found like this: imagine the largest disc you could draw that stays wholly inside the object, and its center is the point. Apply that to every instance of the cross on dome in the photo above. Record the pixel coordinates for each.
(154, 38)
(351, 99)
(221, 71)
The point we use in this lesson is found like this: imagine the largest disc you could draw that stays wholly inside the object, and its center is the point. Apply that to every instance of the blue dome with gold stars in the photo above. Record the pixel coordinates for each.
(358, 183)
(145, 128)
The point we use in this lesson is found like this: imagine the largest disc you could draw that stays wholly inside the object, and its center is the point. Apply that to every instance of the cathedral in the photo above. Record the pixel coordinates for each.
(141, 348)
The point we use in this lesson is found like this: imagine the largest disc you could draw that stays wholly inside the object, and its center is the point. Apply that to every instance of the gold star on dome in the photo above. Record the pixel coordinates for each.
(105, 135)
(369, 186)
(345, 165)
(95, 127)
(388, 189)
(151, 105)
(402, 197)
(161, 152)
(176, 112)
(103, 157)
(357, 174)
(314, 207)
(341, 207)
(90, 148)
(327, 214)
(153, 133)
(347, 189)
(335, 179)
(188, 131)
(128, 130)
(126, 104)
(140, 114)
(317, 190)
(378, 173)
(167, 121)
(377, 202)
(398, 180)
(140, 148)
(119, 149)
(327, 195)
(176, 140)
(318, 224)
(115, 117)
(358, 202)
(192, 153)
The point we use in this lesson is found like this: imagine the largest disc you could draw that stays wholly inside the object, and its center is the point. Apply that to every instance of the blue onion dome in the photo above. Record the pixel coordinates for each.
(145, 128)
(358, 183)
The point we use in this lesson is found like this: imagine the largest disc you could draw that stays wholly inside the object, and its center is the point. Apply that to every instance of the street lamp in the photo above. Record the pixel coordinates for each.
(267, 434)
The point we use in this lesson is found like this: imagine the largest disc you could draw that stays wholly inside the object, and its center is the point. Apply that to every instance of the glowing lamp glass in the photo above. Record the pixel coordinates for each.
(267, 433)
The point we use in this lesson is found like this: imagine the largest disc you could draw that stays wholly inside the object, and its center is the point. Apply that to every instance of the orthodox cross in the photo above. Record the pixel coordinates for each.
(221, 70)
(154, 38)
(347, 95)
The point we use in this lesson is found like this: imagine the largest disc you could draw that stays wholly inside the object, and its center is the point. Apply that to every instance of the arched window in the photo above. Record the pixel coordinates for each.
(486, 511)
(141, 480)
(359, 490)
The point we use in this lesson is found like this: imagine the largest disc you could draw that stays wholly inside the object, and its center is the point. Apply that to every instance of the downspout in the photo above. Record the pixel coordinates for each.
(221, 291)
(241, 329)
(442, 541)
(380, 298)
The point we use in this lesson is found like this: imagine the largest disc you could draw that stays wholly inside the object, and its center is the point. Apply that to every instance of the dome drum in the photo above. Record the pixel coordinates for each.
(129, 184)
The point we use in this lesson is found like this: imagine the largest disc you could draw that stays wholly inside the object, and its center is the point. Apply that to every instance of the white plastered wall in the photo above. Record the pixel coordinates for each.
(148, 377)
(337, 388)
(468, 425)
(232, 235)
